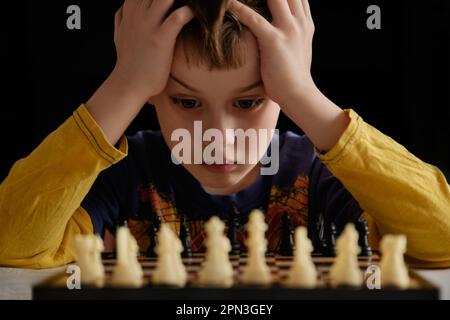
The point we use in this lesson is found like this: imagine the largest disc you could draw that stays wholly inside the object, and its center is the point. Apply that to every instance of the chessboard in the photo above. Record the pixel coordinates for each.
(56, 286)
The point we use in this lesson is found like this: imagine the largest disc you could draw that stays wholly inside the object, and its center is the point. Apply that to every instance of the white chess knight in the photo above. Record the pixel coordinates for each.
(217, 270)
(303, 273)
(170, 269)
(127, 272)
(88, 250)
(394, 272)
(345, 270)
(256, 271)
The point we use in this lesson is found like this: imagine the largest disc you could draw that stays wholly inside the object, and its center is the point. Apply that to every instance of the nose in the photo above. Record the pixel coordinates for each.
(218, 122)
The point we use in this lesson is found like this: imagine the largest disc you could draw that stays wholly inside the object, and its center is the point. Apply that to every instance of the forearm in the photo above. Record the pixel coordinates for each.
(321, 120)
(403, 194)
(43, 190)
(115, 104)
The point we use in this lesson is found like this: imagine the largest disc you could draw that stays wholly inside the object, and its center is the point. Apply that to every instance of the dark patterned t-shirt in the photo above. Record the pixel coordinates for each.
(147, 183)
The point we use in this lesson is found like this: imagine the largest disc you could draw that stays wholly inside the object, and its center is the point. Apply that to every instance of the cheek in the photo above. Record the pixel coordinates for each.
(168, 119)
(266, 118)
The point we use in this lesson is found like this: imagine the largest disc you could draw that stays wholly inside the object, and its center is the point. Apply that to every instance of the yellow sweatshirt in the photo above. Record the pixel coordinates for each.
(40, 200)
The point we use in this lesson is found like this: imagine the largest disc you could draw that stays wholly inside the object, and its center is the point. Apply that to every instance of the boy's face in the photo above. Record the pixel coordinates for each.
(220, 99)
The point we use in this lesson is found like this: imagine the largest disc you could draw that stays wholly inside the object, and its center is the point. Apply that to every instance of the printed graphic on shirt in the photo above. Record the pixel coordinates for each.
(292, 200)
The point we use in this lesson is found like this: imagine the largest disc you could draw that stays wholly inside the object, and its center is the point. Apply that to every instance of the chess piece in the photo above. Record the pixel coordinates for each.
(185, 237)
(287, 241)
(256, 271)
(88, 250)
(363, 242)
(127, 272)
(329, 243)
(394, 272)
(233, 226)
(303, 273)
(345, 270)
(216, 270)
(122, 223)
(169, 269)
(153, 236)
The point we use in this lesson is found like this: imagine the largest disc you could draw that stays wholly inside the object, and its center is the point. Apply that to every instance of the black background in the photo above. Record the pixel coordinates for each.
(397, 78)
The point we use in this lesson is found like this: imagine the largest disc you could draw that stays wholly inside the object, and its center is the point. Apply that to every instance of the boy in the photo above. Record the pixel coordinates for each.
(85, 176)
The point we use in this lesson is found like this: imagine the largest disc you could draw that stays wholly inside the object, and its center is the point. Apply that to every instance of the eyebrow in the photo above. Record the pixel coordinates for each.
(240, 90)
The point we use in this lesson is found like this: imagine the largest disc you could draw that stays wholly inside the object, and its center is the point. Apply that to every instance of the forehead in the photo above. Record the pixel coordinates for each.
(201, 77)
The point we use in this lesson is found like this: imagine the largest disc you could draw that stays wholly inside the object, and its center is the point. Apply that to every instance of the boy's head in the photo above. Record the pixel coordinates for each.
(215, 78)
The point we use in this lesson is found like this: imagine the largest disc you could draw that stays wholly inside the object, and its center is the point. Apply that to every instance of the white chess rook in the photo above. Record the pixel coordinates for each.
(394, 272)
(217, 270)
(88, 250)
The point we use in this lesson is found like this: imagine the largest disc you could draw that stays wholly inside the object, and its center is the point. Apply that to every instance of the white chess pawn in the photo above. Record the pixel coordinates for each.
(88, 250)
(127, 272)
(394, 272)
(345, 270)
(217, 270)
(303, 273)
(256, 271)
(170, 269)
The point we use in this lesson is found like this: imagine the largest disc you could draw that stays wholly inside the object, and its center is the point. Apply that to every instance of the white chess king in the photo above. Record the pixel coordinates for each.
(256, 271)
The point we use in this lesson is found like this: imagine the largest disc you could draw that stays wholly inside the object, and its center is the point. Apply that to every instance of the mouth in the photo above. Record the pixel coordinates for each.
(226, 167)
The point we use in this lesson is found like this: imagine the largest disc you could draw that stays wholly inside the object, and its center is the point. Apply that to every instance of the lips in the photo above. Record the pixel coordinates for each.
(227, 167)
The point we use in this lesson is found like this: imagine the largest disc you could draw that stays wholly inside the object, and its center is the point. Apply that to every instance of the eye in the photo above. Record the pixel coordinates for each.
(248, 103)
(186, 103)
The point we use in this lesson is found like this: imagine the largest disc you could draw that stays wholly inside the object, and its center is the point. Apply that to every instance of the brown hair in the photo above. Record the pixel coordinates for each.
(213, 37)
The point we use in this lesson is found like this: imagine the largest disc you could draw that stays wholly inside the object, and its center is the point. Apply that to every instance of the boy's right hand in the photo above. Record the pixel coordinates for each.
(145, 41)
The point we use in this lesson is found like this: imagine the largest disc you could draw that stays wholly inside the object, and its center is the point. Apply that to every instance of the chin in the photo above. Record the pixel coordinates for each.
(219, 182)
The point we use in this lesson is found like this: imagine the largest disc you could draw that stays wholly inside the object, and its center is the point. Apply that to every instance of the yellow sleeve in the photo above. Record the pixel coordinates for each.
(40, 198)
(398, 191)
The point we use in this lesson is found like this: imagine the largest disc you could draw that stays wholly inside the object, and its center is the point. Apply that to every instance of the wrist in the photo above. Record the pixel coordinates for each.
(128, 85)
(300, 92)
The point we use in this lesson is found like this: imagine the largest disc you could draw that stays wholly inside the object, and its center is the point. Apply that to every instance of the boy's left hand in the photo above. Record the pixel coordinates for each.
(285, 46)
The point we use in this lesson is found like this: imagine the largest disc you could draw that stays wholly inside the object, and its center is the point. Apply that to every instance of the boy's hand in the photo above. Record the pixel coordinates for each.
(145, 41)
(285, 48)
(285, 45)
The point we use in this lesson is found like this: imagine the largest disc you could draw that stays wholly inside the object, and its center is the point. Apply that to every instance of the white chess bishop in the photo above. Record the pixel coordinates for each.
(345, 270)
(170, 269)
(256, 271)
(217, 270)
(303, 273)
(88, 250)
(127, 272)
(394, 272)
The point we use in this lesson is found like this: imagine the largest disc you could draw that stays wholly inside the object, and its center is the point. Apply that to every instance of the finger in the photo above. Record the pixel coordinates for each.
(118, 18)
(296, 7)
(280, 11)
(258, 25)
(306, 8)
(130, 4)
(176, 21)
(158, 9)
